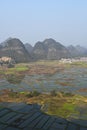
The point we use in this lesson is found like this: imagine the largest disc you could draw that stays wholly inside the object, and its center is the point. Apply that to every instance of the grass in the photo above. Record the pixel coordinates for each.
(69, 107)
(80, 64)
(45, 63)
(17, 68)
(56, 103)
(61, 105)
(61, 108)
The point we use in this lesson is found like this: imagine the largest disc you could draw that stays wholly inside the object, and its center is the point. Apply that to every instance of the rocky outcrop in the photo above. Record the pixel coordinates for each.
(39, 51)
(50, 49)
(28, 47)
(15, 49)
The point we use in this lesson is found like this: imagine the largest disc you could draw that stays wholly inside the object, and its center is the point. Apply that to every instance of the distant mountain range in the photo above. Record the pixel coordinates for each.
(49, 49)
(77, 51)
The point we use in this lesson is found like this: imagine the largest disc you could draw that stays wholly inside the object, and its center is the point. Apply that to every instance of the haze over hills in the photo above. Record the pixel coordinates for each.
(15, 49)
(48, 49)
(77, 51)
(28, 47)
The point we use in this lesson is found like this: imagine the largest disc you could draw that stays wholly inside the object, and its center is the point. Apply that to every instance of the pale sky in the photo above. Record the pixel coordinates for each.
(35, 20)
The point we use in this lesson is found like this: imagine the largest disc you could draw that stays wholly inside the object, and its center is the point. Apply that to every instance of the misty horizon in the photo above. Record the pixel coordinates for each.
(41, 42)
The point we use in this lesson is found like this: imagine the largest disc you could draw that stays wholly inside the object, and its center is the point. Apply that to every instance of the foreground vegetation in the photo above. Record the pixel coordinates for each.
(61, 104)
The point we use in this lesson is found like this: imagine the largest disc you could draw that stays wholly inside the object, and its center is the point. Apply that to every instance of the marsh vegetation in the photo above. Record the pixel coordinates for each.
(59, 88)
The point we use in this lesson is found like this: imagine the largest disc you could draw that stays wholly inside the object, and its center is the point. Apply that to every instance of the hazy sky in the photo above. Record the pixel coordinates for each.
(34, 20)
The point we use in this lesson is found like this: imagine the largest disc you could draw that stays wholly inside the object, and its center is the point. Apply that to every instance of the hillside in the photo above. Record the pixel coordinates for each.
(77, 51)
(28, 47)
(15, 49)
(50, 49)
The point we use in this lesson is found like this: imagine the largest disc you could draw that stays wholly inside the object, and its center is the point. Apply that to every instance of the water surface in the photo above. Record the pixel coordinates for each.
(69, 80)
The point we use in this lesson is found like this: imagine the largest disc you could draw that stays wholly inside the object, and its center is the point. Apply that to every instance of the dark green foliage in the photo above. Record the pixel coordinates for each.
(13, 94)
(69, 94)
(33, 94)
(29, 95)
(53, 93)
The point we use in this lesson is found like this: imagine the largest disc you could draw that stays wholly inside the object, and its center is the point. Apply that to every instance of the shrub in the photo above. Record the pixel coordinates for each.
(29, 95)
(13, 95)
(33, 94)
(53, 93)
(69, 94)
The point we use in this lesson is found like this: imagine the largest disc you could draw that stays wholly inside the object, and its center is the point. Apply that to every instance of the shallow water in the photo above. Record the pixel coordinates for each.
(69, 80)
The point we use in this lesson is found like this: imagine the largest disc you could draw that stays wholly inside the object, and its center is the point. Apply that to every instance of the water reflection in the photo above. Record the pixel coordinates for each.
(70, 80)
(15, 78)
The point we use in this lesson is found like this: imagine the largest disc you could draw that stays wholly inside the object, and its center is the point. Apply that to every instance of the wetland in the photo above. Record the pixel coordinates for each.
(60, 89)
